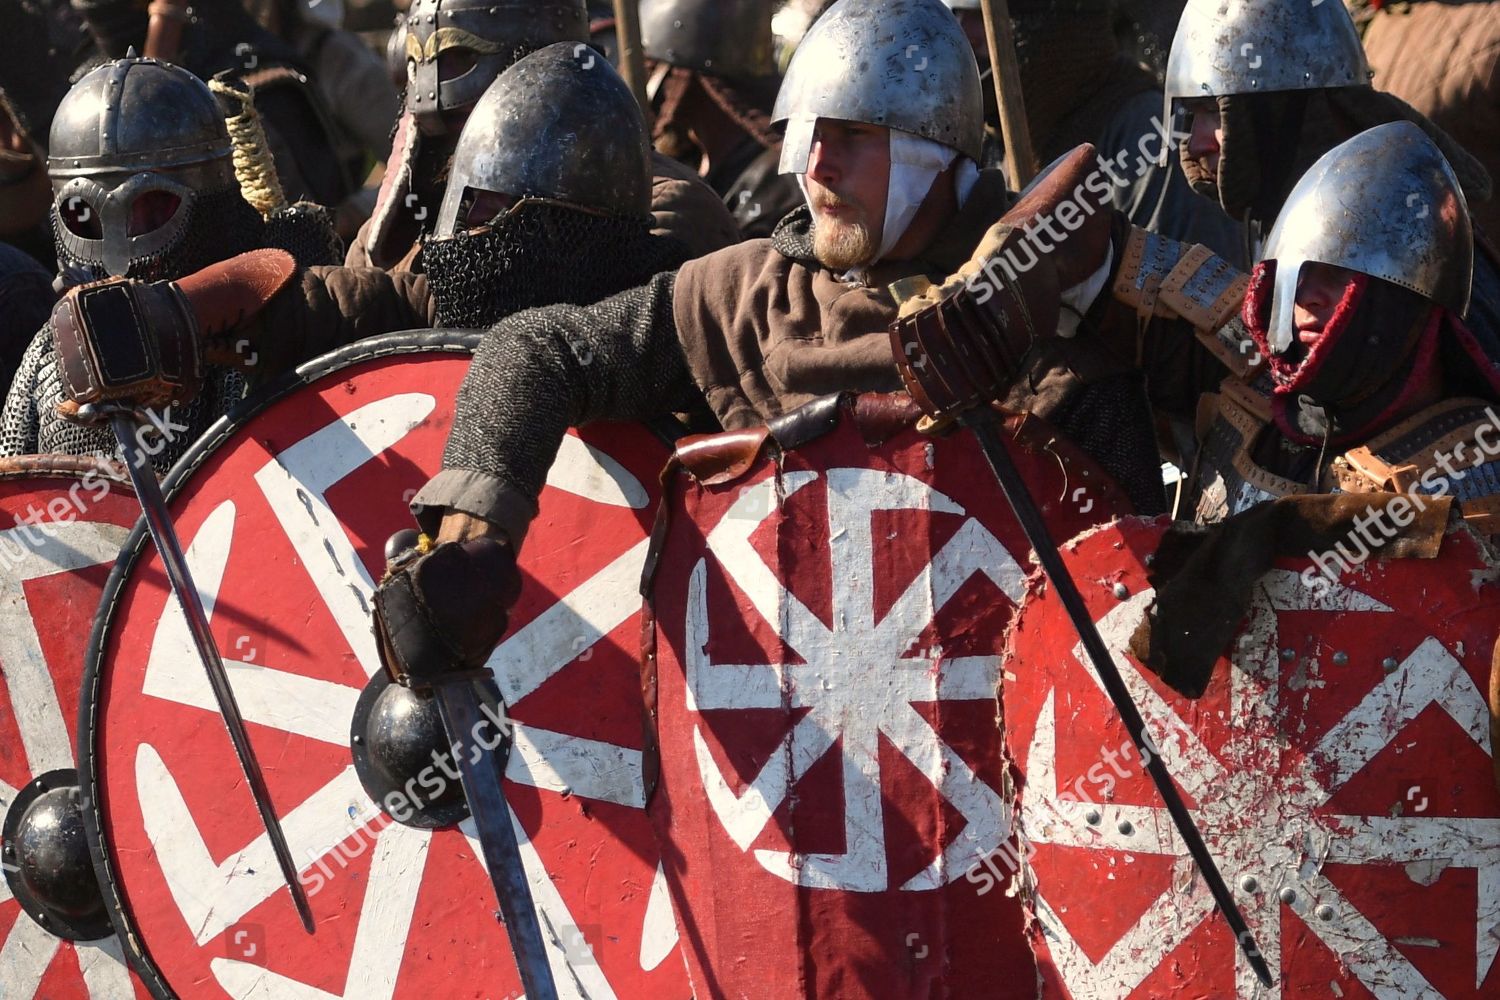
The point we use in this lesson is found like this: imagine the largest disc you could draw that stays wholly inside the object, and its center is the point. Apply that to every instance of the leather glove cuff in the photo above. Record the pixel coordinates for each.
(124, 340)
(439, 615)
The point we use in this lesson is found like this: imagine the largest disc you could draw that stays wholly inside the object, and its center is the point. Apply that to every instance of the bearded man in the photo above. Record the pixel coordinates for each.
(886, 154)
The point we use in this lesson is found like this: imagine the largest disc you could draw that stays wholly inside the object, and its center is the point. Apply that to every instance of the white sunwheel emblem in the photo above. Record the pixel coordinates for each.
(1280, 763)
(207, 905)
(857, 681)
(61, 534)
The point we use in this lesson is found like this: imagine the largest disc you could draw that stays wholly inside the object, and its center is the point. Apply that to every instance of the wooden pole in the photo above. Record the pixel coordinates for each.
(1005, 68)
(632, 57)
(164, 29)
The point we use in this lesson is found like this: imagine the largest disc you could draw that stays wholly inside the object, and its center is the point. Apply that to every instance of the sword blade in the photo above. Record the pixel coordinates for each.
(164, 535)
(981, 423)
(481, 771)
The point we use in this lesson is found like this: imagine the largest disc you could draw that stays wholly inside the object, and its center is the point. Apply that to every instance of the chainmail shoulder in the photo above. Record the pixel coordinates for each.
(541, 371)
(305, 231)
(30, 425)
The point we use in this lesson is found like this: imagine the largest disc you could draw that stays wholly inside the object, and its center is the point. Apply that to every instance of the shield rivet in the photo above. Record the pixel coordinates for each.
(1092, 817)
(1288, 895)
(1389, 664)
(1125, 827)
(1121, 591)
(1340, 658)
(1325, 912)
(1249, 884)
(1288, 655)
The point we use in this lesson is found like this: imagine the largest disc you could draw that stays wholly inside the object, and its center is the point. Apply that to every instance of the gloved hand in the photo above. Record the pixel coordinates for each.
(961, 344)
(441, 608)
(145, 344)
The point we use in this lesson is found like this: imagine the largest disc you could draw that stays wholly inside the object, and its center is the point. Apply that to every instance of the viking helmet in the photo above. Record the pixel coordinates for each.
(133, 135)
(456, 48)
(1385, 203)
(903, 64)
(559, 125)
(1226, 47)
(728, 38)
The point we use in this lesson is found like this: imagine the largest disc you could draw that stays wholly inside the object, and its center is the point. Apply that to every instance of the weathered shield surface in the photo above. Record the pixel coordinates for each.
(828, 625)
(1338, 766)
(61, 525)
(284, 519)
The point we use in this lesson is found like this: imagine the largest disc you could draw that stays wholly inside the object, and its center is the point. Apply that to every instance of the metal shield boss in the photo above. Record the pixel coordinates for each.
(1339, 767)
(62, 522)
(284, 512)
(829, 613)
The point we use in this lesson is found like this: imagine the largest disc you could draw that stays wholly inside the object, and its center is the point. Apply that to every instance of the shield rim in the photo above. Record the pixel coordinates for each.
(370, 349)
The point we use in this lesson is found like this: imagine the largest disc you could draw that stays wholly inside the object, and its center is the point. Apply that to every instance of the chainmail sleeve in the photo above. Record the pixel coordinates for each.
(541, 371)
(19, 426)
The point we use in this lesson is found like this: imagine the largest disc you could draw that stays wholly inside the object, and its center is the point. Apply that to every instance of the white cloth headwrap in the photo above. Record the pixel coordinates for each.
(915, 164)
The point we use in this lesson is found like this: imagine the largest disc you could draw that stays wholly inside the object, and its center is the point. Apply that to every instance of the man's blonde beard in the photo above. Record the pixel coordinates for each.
(840, 246)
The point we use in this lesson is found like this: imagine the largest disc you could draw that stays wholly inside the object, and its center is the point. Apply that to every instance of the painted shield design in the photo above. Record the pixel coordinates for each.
(829, 619)
(65, 520)
(284, 513)
(1338, 766)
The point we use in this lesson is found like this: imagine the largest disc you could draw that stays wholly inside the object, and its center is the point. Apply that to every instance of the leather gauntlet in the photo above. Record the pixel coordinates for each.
(441, 609)
(120, 339)
(123, 340)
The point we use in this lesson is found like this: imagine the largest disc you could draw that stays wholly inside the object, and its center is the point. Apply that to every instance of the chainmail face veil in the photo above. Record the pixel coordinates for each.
(541, 253)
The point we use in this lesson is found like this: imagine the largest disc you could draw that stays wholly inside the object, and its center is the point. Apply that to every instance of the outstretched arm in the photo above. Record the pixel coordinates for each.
(536, 374)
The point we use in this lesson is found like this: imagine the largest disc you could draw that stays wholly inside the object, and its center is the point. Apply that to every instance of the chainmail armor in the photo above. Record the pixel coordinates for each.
(541, 253)
(541, 371)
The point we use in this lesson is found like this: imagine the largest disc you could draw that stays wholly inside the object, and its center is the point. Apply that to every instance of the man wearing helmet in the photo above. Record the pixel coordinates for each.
(1267, 88)
(1351, 366)
(454, 49)
(712, 67)
(884, 148)
(548, 201)
(144, 187)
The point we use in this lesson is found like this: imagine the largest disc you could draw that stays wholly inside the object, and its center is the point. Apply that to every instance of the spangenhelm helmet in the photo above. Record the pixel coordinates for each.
(1227, 47)
(131, 130)
(728, 38)
(1385, 203)
(558, 125)
(456, 48)
(903, 64)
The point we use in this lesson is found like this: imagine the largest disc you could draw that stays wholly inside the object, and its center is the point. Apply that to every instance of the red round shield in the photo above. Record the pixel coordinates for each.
(1338, 766)
(64, 522)
(283, 514)
(829, 620)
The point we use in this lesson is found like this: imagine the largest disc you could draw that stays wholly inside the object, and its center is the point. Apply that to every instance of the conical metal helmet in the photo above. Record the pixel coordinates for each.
(456, 48)
(133, 131)
(728, 38)
(561, 125)
(903, 64)
(1225, 47)
(1385, 203)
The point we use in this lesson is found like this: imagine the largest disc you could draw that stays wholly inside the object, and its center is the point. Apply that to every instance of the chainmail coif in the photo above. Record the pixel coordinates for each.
(541, 253)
